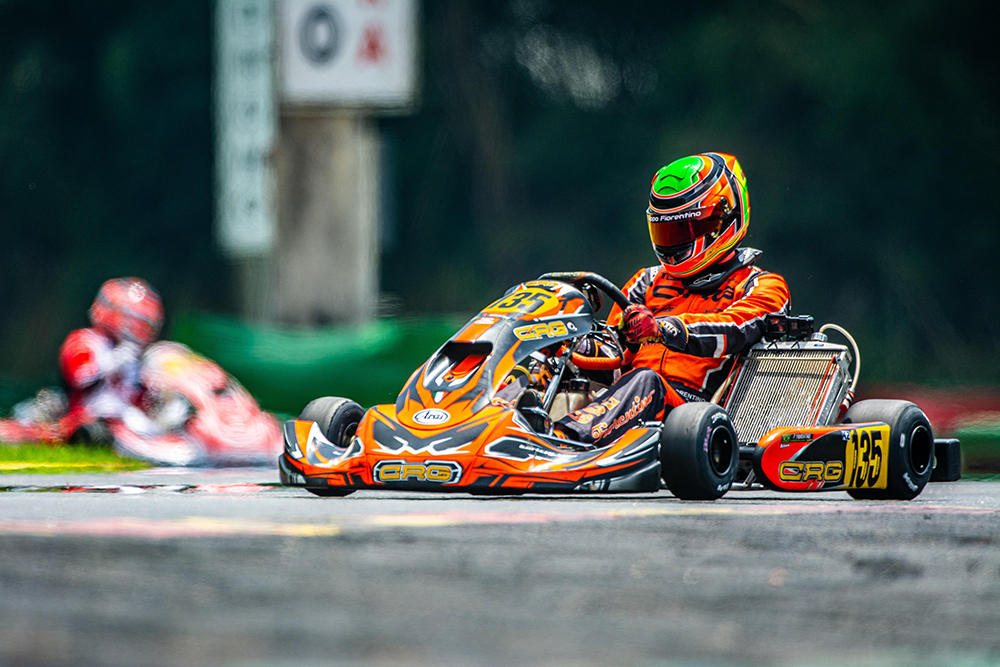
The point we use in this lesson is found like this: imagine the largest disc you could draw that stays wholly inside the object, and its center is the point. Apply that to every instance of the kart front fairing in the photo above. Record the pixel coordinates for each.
(454, 425)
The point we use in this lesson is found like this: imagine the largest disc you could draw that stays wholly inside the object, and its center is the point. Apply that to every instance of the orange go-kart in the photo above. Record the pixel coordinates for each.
(477, 417)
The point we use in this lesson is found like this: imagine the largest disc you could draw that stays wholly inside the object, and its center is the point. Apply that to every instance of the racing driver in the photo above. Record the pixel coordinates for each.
(100, 364)
(703, 304)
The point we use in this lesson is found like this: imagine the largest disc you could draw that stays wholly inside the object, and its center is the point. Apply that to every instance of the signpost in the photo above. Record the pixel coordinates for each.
(246, 130)
(349, 53)
(311, 256)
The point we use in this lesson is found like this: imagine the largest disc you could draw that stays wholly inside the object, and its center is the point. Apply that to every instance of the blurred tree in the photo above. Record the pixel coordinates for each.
(106, 163)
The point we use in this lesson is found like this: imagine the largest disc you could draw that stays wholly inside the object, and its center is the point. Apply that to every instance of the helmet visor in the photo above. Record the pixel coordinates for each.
(674, 229)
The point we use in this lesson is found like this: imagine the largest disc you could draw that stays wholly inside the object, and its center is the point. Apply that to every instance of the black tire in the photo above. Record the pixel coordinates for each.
(699, 452)
(338, 418)
(911, 447)
(329, 493)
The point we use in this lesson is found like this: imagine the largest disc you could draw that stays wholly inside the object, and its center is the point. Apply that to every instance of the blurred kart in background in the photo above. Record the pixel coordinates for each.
(477, 417)
(191, 413)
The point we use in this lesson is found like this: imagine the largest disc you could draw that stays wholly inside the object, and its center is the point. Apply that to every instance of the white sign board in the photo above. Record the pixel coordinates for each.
(245, 126)
(350, 53)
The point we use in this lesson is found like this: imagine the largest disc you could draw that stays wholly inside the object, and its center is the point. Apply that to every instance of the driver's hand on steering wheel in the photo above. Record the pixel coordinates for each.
(641, 327)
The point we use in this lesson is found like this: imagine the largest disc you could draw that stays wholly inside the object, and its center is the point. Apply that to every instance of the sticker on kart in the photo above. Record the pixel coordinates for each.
(435, 472)
(866, 460)
(526, 300)
(841, 457)
(808, 471)
(544, 330)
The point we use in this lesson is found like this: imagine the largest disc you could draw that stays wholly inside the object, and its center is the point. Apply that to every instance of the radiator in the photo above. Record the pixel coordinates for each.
(786, 384)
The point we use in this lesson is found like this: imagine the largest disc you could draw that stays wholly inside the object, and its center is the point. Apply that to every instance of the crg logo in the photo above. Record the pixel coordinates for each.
(439, 472)
(431, 417)
(805, 471)
(542, 330)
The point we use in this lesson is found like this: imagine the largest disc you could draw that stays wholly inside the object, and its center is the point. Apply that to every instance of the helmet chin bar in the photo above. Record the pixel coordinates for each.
(675, 254)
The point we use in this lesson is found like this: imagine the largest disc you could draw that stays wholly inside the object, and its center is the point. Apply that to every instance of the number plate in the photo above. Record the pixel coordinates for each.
(528, 300)
(867, 457)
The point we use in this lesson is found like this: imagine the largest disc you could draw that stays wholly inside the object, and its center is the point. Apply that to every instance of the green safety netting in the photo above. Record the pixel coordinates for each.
(286, 368)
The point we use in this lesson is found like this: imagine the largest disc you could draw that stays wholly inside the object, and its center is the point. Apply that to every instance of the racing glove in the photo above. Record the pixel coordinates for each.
(641, 327)
(675, 333)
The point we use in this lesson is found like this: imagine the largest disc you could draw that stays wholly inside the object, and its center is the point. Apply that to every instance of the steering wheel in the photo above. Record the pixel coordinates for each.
(579, 278)
(588, 278)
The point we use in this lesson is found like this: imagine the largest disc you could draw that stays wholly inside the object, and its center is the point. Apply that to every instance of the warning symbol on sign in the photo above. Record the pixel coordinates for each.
(319, 34)
(371, 48)
(348, 53)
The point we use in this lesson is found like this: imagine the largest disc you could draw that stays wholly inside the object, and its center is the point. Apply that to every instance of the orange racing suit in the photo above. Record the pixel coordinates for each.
(723, 311)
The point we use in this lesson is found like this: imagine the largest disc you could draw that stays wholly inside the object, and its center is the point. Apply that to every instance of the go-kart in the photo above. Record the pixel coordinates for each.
(191, 413)
(477, 417)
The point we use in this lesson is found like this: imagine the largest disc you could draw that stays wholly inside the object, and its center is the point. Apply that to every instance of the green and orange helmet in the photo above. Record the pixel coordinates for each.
(698, 211)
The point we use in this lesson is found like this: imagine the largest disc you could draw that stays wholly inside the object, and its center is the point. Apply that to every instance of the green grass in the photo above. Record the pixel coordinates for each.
(41, 458)
(980, 447)
(981, 477)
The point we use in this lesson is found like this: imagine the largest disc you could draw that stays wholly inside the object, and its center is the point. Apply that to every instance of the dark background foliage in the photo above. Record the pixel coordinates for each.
(868, 132)
(105, 163)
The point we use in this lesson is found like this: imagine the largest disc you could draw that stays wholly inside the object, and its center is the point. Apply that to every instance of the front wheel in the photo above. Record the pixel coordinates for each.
(338, 418)
(911, 447)
(698, 451)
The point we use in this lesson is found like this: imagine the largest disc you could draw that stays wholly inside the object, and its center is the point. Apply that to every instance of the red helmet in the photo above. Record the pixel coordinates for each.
(698, 211)
(128, 309)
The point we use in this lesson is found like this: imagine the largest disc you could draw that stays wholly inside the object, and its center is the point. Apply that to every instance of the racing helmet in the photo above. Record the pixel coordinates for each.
(128, 309)
(698, 211)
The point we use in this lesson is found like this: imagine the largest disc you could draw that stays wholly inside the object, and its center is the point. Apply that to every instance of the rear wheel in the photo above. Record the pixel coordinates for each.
(338, 418)
(698, 451)
(911, 447)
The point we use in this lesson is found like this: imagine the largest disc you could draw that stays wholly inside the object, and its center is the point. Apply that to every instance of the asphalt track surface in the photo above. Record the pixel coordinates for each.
(223, 568)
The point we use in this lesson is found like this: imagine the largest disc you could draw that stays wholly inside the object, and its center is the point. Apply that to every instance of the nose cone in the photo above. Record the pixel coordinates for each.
(393, 438)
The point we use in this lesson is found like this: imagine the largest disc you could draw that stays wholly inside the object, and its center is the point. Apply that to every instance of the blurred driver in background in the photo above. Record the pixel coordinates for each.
(100, 364)
(695, 311)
